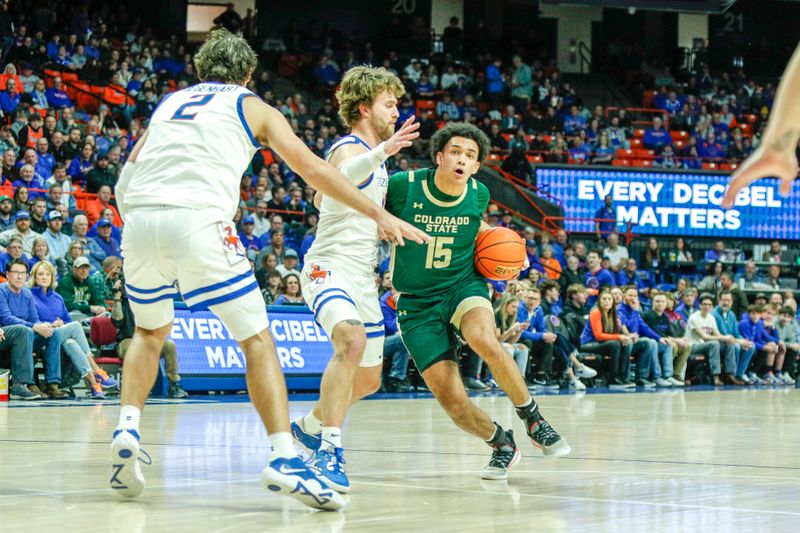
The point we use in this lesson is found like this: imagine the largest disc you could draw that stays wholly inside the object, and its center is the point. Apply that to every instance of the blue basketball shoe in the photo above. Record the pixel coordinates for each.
(291, 477)
(308, 441)
(329, 466)
(126, 474)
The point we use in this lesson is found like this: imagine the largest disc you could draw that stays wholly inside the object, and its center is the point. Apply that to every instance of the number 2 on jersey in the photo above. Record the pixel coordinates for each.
(439, 256)
(199, 100)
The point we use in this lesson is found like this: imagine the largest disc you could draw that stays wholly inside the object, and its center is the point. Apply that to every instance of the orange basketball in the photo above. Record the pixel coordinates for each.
(499, 253)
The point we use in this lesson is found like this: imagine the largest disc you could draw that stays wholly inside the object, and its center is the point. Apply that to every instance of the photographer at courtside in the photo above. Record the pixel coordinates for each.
(123, 319)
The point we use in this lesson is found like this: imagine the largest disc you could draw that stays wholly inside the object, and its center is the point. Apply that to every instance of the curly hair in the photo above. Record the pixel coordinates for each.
(362, 85)
(225, 57)
(460, 129)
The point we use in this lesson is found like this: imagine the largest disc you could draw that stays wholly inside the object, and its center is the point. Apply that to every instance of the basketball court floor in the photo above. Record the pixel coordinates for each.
(725, 460)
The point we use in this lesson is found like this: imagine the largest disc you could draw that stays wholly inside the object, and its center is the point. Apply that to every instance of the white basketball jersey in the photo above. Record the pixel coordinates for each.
(342, 232)
(197, 149)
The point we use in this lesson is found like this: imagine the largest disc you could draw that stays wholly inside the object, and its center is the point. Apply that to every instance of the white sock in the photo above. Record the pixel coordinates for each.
(281, 444)
(331, 437)
(129, 416)
(312, 424)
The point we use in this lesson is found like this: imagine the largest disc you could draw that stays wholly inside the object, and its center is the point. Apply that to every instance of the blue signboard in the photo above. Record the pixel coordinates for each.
(206, 347)
(673, 202)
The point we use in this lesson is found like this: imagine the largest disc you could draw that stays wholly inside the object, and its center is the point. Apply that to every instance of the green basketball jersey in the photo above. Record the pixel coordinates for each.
(451, 221)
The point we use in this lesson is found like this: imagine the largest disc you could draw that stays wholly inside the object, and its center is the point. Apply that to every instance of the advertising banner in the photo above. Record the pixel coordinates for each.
(205, 346)
(673, 202)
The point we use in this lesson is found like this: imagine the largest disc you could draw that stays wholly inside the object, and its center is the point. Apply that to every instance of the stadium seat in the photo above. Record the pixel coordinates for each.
(636, 143)
(495, 158)
(643, 153)
(709, 165)
(679, 134)
(623, 152)
(728, 166)
(69, 76)
(679, 143)
(647, 98)
(620, 163)
(535, 158)
(506, 136)
(638, 133)
(425, 104)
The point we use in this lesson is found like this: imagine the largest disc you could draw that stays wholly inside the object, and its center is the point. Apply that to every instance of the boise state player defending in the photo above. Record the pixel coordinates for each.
(339, 276)
(178, 194)
(441, 293)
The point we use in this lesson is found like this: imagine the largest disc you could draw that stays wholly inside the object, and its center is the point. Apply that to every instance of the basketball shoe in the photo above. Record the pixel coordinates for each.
(126, 474)
(504, 456)
(328, 464)
(293, 478)
(541, 433)
(308, 441)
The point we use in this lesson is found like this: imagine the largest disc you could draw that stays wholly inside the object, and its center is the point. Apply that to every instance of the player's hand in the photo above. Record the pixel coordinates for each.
(394, 230)
(763, 163)
(402, 138)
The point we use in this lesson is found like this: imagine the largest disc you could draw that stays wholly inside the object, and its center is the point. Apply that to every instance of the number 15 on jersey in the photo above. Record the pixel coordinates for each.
(438, 256)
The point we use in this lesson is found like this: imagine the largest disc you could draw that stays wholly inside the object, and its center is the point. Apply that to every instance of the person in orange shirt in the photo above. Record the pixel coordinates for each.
(94, 208)
(603, 335)
(552, 268)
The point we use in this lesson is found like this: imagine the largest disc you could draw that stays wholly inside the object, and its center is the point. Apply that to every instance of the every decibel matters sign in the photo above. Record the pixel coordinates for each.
(206, 347)
(673, 203)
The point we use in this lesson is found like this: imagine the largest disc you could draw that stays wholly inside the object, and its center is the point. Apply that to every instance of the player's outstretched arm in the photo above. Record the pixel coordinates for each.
(357, 163)
(270, 127)
(775, 155)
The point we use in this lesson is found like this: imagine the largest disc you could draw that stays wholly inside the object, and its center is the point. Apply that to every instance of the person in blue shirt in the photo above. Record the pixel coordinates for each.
(653, 353)
(752, 328)
(657, 136)
(495, 83)
(45, 161)
(56, 96)
(608, 213)
(80, 166)
(13, 251)
(10, 98)
(18, 308)
(689, 303)
(596, 276)
(105, 240)
(250, 241)
(717, 252)
(738, 355)
(393, 347)
(630, 276)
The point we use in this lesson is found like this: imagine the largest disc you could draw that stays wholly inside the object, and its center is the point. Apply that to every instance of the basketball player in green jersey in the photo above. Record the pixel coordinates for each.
(441, 293)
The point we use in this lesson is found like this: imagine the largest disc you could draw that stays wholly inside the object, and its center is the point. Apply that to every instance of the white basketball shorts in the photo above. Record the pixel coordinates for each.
(196, 252)
(336, 292)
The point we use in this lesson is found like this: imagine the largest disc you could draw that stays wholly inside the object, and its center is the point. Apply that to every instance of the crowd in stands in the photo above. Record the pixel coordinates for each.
(575, 318)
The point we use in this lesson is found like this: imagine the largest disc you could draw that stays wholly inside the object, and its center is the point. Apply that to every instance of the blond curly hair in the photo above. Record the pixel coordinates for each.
(362, 85)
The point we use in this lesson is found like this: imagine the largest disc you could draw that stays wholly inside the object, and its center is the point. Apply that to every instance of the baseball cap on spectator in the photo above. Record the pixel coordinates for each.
(249, 219)
(494, 214)
(27, 66)
(530, 243)
(80, 262)
(291, 253)
(5, 198)
(52, 215)
(102, 156)
(103, 223)
(22, 214)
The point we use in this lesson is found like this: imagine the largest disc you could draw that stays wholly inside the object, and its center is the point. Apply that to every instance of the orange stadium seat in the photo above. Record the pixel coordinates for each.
(636, 142)
(709, 165)
(647, 98)
(638, 133)
(620, 163)
(535, 158)
(622, 152)
(679, 134)
(679, 143)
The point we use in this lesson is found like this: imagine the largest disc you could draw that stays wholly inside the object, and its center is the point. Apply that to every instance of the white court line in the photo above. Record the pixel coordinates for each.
(584, 499)
(515, 471)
